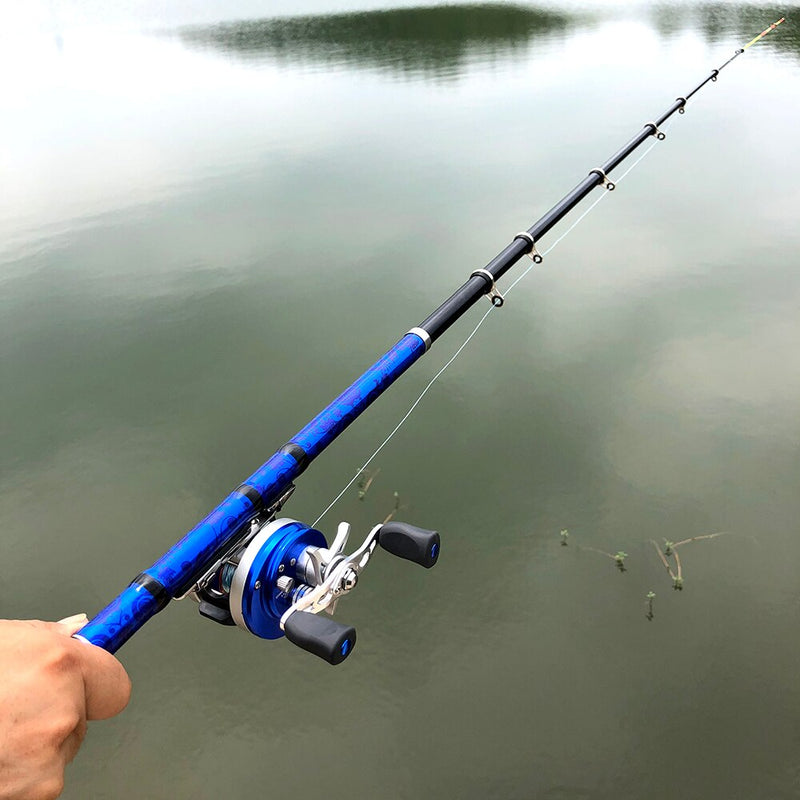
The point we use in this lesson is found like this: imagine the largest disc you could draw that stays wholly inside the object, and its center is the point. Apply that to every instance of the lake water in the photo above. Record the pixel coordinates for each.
(215, 216)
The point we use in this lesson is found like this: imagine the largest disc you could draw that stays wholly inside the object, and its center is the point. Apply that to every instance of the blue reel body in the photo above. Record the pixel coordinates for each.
(285, 574)
(256, 602)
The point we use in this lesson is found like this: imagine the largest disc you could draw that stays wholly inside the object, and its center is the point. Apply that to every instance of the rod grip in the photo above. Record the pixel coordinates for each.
(407, 541)
(330, 640)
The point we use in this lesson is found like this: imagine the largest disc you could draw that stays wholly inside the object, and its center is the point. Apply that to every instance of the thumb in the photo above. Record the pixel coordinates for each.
(73, 624)
(107, 685)
(65, 627)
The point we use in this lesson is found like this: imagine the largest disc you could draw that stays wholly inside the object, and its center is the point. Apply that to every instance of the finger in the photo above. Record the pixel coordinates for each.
(108, 687)
(65, 627)
(73, 624)
(71, 745)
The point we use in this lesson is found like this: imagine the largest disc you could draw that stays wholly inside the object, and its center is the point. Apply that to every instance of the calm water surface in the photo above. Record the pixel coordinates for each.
(214, 216)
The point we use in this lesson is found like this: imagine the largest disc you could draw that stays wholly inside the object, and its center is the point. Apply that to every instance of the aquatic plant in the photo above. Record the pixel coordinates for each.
(649, 598)
(666, 564)
(618, 558)
(365, 481)
(396, 508)
(671, 550)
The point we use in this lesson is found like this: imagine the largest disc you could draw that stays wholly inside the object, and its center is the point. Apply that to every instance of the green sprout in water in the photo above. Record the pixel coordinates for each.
(677, 583)
(396, 508)
(668, 547)
(618, 558)
(650, 598)
(564, 537)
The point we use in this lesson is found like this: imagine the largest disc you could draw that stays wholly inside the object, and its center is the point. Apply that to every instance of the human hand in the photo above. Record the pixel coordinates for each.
(50, 685)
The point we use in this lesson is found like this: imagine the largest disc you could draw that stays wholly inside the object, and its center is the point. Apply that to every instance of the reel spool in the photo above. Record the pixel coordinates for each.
(285, 574)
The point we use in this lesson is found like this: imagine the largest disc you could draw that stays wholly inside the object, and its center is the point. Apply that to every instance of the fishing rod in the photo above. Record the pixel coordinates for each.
(246, 566)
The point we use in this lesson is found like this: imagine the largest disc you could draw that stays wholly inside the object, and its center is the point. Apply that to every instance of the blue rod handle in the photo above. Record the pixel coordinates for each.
(183, 563)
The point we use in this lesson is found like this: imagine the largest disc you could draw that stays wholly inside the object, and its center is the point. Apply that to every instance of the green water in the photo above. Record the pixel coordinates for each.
(214, 217)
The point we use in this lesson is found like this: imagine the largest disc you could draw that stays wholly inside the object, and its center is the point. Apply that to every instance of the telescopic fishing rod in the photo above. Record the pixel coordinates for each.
(272, 575)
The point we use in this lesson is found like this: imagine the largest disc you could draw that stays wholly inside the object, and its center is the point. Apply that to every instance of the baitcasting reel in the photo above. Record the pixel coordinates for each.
(284, 574)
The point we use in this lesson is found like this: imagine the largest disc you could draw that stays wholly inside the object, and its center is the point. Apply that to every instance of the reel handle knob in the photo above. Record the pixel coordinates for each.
(330, 640)
(409, 542)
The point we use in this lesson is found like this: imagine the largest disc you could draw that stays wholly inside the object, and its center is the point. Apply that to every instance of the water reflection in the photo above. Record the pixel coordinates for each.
(204, 265)
(420, 42)
(437, 42)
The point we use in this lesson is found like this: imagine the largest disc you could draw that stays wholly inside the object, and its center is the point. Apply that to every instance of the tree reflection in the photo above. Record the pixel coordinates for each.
(432, 42)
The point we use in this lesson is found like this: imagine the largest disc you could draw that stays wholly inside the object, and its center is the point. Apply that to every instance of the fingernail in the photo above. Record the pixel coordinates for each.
(75, 619)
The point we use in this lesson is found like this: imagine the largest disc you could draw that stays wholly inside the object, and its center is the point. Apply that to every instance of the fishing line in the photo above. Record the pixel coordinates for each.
(477, 327)
(242, 564)
(406, 416)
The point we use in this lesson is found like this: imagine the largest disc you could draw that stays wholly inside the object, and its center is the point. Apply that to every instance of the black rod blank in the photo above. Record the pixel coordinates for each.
(469, 294)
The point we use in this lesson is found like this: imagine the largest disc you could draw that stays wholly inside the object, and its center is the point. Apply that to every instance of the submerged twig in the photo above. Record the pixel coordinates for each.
(664, 560)
(697, 538)
(671, 549)
(366, 482)
(677, 581)
(396, 508)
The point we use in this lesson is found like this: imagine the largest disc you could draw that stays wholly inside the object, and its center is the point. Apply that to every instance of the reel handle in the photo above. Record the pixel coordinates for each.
(407, 541)
(330, 640)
